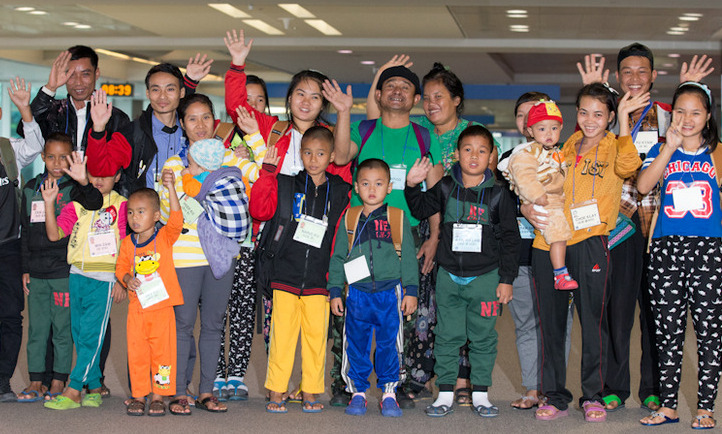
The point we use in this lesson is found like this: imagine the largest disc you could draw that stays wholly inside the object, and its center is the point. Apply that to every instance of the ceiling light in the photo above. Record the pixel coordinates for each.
(70, 23)
(526, 30)
(263, 26)
(38, 13)
(344, 51)
(691, 14)
(229, 10)
(685, 18)
(672, 32)
(674, 55)
(24, 9)
(678, 29)
(367, 62)
(519, 27)
(141, 60)
(516, 11)
(296, 10)
(113, 54)
(82, 26)
(662, 72)
(517, 16)
(323, 27)
(667, 65)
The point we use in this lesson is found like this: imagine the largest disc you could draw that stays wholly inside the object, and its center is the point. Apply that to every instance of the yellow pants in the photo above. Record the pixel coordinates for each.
(293, 314)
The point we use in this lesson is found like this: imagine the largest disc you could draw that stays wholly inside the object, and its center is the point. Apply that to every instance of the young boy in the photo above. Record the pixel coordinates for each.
(298, 275)
(92, 252)
(536, 173)
(145, 267)
(374, 303)
(478, 260)
(45, 268)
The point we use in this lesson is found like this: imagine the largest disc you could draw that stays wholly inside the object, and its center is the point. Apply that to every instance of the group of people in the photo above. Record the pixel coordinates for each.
(244, 222)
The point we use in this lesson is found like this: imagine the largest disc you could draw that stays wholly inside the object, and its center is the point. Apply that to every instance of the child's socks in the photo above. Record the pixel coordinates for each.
(444, 398)
(560, 271)
(480, 398)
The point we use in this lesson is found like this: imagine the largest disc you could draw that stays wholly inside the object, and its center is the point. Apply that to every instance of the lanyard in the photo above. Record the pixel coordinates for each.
(481, 202)
(305, 193)
(691, 163)
(403, 153)
(574, 172)
(636, 128)
(42, 181)
(357, 240)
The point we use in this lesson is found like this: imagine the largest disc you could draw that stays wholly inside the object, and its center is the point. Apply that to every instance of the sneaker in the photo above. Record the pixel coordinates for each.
(390, 408)
(403, 400)
(92, 400)
(357, 406)
(340, 398)
(6, 392)
(564, 282)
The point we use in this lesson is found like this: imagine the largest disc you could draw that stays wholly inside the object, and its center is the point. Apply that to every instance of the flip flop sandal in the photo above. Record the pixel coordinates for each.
(35, 398)
(135, 407)
(310, 408)
(555, 413)
(589, 407)
(652, 399)
(181, 402)
(699, 419)
(238, 391)
(463, 397)
(280, 407)
(666, 420)
(203, 405)
(61, 403)
(484, 411)
(438, 410)
(218, 392)
(296, 397)
(156, 408)
(524, 399)
(610, 399)
(50, 395)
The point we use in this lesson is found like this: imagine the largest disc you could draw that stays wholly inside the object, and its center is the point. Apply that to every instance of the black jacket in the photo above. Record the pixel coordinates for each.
(144, 149)
(497, 215)
(9, 216)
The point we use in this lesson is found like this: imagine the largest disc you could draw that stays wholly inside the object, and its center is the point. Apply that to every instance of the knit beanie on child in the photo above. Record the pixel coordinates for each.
(208, 153)
(542, 111)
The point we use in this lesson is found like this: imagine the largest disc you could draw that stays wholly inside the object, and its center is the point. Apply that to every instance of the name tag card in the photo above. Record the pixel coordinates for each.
(310, 231)
(585, 215)
(37, 211)
(191, 208)
(687, 199)
(526, 230)
(398, 176)
(101, 244)
(645, 140)
(356, 270)
(466, 238)
(151, 291)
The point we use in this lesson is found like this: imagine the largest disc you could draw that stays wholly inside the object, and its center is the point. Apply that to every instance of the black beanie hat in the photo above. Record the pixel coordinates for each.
(399, 71)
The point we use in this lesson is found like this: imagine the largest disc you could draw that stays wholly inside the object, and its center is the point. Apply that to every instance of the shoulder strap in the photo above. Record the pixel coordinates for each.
(223, 131)
(423, 137)
(396, 220)
(351, 221)
(365, 129)
(278, 129)
(8, 157)
(717, 162)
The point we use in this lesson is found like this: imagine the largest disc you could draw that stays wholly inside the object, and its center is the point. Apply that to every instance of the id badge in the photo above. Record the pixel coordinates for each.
(645, 140)
(687, 199)
(310, 231)
(356, 270)
(37, 212)
(585, 215)
(526, 230)
(191, 208)
(151, 291)
(102, 244)
(466, 238)
(398, 176)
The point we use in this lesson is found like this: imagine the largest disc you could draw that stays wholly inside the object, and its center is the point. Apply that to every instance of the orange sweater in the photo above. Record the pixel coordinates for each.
(162, 249)
(616, 159)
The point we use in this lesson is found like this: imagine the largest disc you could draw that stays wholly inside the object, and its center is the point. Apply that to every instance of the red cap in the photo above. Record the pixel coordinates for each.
(542, 111)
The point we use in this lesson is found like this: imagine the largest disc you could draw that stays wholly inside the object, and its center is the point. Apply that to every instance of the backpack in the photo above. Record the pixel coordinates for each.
(7, 154)
(396, 221)
(367, 127)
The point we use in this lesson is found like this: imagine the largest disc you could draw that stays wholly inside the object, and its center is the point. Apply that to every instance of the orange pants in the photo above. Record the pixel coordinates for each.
(151, 351)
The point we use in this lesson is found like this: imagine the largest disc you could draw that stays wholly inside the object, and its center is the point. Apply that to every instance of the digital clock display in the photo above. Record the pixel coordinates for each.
(118, 89)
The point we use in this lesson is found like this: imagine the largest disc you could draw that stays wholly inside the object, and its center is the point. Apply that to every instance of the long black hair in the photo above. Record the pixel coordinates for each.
(318, 78)
(710, 133)
(604, 95)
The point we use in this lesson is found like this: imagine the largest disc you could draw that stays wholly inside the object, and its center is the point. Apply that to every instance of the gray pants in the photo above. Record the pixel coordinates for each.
(527, 329)
(200, 288)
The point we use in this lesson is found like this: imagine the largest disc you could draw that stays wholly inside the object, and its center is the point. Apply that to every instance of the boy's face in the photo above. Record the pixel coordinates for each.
(316, 156)
(164, 92)
(635, 75)
(546, 132)
(104, 184)
(142, 214)
(473, 154)
(372, 185)
(56, 157)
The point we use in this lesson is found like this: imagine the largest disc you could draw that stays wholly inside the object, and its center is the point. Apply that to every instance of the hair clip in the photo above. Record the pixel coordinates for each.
(702, 86)
(610, 88)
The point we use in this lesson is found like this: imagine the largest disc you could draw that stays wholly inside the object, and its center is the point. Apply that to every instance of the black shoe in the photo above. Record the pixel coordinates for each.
(340, 398)
(405, 402)
(6, 393)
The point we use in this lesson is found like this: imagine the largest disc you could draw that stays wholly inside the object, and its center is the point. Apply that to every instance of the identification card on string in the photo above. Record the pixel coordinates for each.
(585, 215)
(466, 238)
(398, 176)
(356, 270)
(102, 243)
(645, 140)
(687, 199)
(191, 208)
(526, 230)
(37, 211)
(310, 231)
(151, 291)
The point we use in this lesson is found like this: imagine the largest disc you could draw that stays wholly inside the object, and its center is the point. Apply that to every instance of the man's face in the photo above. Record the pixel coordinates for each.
(83, 76)
(397, 94)
(635, 75)
(164, 92)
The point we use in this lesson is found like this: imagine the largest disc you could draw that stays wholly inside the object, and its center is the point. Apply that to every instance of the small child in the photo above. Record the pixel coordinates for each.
(478, 257)
(145, 266)
(206, 156)
(536, 173)
(45, 267)
(92, 252)
(374, 303)
(315, 201)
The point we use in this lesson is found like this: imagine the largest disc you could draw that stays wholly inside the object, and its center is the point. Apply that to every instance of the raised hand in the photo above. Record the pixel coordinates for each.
(19, 92)
(168, 179)
(397, 60)
(60, 71)
(629, 104)
(76, 170)
(593, 71)
(417, 173)
(237, 47)
(697, 69)
(674, 135)
(100, 110)
(198, 67)
(271, 156)
(341, 101)
(246, 120)
(49, 190)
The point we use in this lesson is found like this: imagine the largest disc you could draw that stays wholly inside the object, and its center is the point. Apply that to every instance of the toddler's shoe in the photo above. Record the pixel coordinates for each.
(61, 402)
(564, 282)
(92, 400)
(357, 406)
(390, 408)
